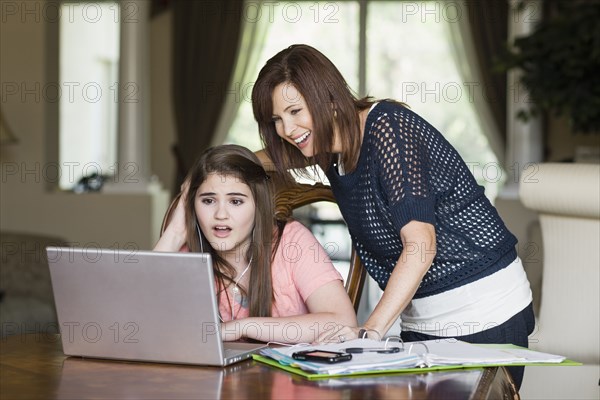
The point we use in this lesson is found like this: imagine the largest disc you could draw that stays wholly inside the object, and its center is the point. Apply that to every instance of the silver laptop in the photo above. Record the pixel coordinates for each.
(140, 305)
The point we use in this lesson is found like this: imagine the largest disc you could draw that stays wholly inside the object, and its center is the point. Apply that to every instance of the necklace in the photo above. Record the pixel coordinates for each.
(340, 165)
(236, 290)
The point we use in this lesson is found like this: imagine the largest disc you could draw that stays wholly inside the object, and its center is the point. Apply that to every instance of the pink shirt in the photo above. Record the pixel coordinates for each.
(301, 266)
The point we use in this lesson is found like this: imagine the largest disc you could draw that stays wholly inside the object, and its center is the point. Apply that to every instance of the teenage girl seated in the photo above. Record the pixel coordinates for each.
(274, 281)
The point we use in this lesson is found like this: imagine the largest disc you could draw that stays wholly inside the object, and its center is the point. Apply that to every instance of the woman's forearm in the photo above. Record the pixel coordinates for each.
(415, 260)
(401, 287)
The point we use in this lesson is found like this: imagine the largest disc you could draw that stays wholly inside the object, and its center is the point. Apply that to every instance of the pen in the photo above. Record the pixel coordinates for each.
(357, 350)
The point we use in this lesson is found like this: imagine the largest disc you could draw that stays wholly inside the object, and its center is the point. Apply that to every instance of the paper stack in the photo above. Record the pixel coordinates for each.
(433, 354)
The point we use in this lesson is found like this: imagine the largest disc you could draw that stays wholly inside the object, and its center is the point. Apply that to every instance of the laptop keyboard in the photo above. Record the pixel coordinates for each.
(232, 352)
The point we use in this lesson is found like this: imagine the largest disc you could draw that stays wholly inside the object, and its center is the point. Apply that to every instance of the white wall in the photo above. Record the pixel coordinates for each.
(25, 203)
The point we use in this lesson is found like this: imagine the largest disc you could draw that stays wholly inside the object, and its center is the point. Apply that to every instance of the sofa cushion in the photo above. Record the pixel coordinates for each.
(26, 299)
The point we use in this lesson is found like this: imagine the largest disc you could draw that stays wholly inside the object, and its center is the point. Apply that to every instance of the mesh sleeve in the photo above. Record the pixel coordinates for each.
(403, 152)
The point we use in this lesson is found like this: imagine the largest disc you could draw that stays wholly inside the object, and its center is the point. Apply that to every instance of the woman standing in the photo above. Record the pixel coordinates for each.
(423, 228)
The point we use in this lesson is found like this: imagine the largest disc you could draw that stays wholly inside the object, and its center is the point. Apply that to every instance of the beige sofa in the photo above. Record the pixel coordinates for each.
(567, 198)
(26, 298)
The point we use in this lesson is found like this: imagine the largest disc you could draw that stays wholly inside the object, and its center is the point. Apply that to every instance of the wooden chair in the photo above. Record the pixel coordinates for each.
(291, 197)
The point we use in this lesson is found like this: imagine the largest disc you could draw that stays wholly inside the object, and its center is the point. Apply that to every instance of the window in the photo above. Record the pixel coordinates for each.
(331, 27)
(88, 76)
(420, 72)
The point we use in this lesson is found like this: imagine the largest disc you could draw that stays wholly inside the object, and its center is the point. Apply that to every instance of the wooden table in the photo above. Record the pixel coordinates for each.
(34, 367)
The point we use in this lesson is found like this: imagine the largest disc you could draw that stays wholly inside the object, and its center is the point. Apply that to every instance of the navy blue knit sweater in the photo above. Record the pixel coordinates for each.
(408, 171)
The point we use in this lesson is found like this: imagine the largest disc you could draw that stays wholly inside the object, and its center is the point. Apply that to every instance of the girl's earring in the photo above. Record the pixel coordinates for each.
(334, 113)
(199, 237)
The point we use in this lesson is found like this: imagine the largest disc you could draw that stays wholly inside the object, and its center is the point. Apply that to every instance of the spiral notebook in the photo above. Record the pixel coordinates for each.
(413, 357)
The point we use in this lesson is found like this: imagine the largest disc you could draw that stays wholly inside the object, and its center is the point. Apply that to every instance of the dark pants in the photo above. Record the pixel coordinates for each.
(515, 331)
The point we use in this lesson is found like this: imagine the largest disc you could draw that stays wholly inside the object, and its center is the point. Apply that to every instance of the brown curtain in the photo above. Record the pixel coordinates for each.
(489, 27)
(205, 42)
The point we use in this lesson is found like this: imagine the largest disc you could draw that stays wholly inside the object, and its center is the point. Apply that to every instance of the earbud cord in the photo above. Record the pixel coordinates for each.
(235, 289)
(235, 283)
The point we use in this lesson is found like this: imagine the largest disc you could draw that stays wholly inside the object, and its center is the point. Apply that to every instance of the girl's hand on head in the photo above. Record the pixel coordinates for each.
(184, 188)
(174, 236)
(177, 221)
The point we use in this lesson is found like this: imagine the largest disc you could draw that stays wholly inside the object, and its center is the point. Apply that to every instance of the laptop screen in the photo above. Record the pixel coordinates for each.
(136, 305)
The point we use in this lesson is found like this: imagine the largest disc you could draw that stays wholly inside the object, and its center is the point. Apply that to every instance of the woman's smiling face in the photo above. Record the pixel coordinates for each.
(292, 119)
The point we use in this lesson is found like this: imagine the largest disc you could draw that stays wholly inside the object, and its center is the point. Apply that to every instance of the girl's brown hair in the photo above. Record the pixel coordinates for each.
(239, 162)
(327, 96)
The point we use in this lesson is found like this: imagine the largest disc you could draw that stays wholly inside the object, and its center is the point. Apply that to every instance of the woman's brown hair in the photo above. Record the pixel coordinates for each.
(239, 162)
(328, 98)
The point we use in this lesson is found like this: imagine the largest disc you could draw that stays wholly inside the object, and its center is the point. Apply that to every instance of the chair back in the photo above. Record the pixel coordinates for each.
(567, 198)
(291, 197)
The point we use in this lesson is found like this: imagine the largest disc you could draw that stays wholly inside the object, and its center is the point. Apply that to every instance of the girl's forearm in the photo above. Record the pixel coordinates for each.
(297, 329)
(170, 241)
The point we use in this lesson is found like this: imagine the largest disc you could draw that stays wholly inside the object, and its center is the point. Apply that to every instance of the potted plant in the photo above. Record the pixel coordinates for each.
(560, 63)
